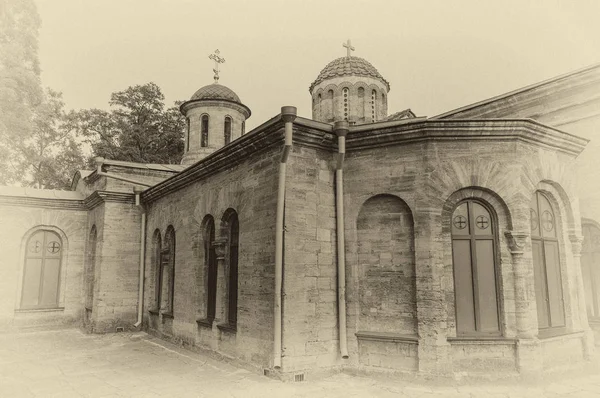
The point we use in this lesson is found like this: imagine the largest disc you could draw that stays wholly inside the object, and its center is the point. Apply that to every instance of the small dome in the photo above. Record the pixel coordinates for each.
(216, 91)
(348, 66)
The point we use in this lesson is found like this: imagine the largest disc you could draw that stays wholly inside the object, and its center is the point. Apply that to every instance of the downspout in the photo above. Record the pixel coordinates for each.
(341, 129)
(288, 114)
(142, 262)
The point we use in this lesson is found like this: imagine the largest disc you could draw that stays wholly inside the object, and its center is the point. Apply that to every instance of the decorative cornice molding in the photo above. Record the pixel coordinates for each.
(47, 203)
(99, 197)
(516, 241)
(224, 103)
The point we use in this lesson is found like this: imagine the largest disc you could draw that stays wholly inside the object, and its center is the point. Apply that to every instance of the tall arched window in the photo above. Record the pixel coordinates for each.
(232, 257)
(243, 127)
(187, 141)
(168, 272)
(204, 131)
(474, 265)
(329, 106)
(41, 275)
(319, 110)
(90, 268)
(227, 130)
(157, 242)
(546, 263)
(210, 264)
(361, 104)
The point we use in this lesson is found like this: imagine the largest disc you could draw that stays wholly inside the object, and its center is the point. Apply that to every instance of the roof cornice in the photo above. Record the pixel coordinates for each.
(99, 197)
(525, 130)
(47, 203)
(238, 106)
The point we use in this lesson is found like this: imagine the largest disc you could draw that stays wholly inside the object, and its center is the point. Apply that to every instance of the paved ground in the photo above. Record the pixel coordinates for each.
(68, 363)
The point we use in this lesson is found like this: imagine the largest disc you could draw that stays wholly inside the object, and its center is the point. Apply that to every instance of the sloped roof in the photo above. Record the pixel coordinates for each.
(405, 114)
(216, 91)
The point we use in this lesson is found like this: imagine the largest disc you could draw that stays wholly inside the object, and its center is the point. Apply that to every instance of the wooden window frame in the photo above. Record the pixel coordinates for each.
(550, 330)
(472, 237)
(27, 256)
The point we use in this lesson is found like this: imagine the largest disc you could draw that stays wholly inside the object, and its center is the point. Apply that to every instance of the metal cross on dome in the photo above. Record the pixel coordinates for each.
(349, 48)
(218, 60)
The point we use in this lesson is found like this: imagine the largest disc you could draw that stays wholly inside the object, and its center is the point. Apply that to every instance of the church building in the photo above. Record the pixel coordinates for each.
(361, 240)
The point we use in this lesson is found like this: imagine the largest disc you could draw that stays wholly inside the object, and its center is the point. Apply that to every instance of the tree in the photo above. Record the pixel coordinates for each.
(20, 86)
(138, 128)
(49, 156)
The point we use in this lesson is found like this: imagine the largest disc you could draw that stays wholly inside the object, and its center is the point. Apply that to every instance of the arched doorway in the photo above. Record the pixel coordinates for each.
(590, 268)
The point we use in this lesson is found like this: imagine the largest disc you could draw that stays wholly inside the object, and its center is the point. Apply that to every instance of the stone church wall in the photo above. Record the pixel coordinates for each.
(19, 223)
(249, 188)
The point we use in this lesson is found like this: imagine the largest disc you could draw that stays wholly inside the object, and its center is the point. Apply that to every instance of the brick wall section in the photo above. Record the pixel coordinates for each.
(17, 222)
(250, 188)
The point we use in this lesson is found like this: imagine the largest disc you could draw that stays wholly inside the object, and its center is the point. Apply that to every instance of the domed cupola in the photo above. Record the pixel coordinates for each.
(349, 88)
(215, 116)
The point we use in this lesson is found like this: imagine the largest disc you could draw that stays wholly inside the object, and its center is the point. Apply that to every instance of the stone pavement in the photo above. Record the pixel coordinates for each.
(68, 363)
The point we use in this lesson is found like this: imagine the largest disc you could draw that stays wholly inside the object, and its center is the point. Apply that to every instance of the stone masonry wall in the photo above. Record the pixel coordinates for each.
(249, 188)
(19, 222)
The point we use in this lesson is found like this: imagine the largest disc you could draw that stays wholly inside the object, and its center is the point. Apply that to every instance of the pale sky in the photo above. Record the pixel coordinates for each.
(437, 55)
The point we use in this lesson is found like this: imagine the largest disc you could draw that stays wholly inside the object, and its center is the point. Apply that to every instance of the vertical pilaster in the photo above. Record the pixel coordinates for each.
(221, 306)
(588, 338)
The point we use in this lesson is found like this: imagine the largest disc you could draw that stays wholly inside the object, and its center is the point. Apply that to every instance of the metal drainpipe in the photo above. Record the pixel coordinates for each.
(288, 114)
(142, 262)
(341, 129)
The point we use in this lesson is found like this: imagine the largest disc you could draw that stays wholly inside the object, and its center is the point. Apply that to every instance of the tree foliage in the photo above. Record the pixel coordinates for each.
(137, 128)
(20, 86)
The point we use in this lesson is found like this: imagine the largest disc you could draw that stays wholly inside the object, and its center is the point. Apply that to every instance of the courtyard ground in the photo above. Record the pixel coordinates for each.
(68, 363)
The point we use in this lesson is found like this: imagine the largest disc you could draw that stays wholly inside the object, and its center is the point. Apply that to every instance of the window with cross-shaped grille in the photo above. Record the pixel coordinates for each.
(474, 265)
(41, 275)
(546, 263)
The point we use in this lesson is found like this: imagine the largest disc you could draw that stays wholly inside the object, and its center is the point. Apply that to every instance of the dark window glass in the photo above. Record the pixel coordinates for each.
(227, 130)
(204, 132)
(210, 261)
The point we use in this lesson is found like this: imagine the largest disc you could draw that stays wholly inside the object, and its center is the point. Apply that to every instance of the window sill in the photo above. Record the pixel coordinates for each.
(168, 315)
(27, 310)
(205, 322)
(226, 327)
(385, 336)
(551, 334)
(481, 340)
(154, 312)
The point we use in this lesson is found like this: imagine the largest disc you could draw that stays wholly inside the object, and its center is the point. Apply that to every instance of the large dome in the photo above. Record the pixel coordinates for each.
(216, 91)
(348, 66)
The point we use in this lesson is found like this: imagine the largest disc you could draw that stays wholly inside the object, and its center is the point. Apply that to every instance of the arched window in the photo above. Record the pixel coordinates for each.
(157, 241)
(90, 268)
(361, 104)
(373, 106)
(243, 127)
(204, 131)
(210, 265)
(546, 263)
(41, 275)
(187, 141)
(590, 268)
(319, 110)
(474, 265)
(232, 257)
(227, 130)
(345, 94)
(329, 106)
(167, 263)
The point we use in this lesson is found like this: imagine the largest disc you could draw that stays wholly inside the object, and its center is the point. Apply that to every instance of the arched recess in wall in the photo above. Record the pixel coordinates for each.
(386, 261)
(319, 107)
(373, 105)
(187, 132)
(230, 225)
(90, 268)
(329, 106)
(590, 267)
(42, 269)
(210, 268)
(361, 104)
